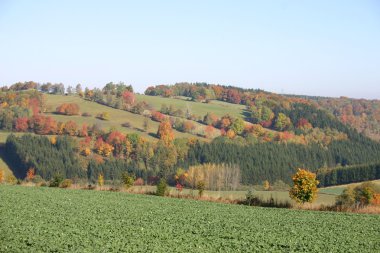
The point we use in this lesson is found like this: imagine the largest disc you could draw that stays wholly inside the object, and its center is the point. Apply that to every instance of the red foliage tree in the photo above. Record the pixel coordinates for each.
(116, 139)
(21, 124)
(129, 97)
(34, 105)
(50, 126)
(157, 116)
(304, 124)
(233, 96)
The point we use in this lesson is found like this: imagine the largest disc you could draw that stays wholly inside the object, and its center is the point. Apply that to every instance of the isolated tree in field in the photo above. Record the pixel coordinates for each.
(305, 186)
(165, 132)
(68, 109)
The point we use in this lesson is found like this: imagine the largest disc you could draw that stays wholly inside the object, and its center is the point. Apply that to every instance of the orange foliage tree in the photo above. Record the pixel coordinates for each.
(103, 148)
(70, 128)
(305, 186)
(188, 126)
(68, 109)
(30, 174)
(165, 132)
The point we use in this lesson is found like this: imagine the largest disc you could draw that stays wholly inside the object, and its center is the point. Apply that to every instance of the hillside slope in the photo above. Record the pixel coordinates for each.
(116, 117)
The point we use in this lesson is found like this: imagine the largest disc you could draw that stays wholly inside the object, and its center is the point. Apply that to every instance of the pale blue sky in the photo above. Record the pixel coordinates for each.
(327, 48)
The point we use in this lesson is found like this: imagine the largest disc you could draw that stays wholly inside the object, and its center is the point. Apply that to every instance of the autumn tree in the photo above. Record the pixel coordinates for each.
(237, 126)
(210, 119)
(165, 132)
(225, 122)
(209, 131)
(128, 98)
(68, 109)
(100, 180)
(21, 124)
(1, 176)
(282, 122)
(83, 132)
(30, 174)
(103, 148)
(116, 139)
(70, 128)
(305, 186)
(188, 126)
(157, 116)
(266, 185)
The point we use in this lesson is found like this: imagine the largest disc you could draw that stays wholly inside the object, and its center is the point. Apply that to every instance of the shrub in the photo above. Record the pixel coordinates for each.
(359, 196)
(56, 180)
(161, 187)
(38, 179)
(126, 124)
(86, 114)
(103, 116)
(201, 188)
(11, 179)
(66, 183)
(139, 182)
(128, 179)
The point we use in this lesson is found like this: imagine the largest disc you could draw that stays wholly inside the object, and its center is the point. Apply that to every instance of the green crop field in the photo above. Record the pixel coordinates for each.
(57, 220)
(117, 117)
(200, 109)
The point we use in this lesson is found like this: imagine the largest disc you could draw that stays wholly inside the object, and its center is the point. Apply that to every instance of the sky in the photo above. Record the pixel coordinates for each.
(324, 48)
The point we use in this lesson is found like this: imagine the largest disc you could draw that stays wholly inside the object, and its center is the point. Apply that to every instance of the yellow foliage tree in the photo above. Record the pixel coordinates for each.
(86, 151)
(305, 186)
(100, 180)
(53, 140)
(165, 132)
(266, 185)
